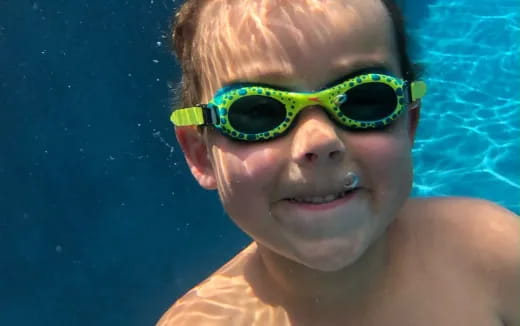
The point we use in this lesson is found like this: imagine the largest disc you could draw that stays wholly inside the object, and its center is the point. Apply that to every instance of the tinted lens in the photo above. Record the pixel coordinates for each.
(369, 102)
(256, 114)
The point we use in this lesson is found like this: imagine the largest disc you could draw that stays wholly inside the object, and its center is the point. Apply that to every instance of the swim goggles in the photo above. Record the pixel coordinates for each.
(255, 113)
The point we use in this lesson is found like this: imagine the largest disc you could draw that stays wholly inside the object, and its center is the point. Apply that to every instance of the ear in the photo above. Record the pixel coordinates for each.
(197, 156)
(413, 119)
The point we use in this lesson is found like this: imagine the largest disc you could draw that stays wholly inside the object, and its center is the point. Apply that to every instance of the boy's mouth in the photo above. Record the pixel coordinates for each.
(332, 195)
(321, 199)
(323, 204)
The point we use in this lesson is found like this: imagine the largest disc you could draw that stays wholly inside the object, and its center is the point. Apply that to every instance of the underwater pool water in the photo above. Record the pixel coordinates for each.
(468, 139)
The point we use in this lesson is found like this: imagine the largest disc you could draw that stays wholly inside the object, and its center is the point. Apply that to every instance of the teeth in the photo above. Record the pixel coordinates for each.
(319, 200)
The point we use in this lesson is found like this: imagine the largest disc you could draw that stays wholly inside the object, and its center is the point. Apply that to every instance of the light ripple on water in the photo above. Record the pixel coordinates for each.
(468, 140)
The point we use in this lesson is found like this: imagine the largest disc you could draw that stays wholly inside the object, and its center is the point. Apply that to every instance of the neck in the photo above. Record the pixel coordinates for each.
(351, 286)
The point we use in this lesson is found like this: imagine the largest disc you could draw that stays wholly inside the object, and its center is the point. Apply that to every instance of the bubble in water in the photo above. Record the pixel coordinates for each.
(351, 180)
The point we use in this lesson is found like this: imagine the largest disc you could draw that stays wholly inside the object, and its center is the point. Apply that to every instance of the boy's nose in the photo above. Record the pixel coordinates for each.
(316, 140)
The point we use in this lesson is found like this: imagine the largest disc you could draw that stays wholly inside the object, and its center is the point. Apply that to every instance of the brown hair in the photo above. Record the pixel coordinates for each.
(184, 26)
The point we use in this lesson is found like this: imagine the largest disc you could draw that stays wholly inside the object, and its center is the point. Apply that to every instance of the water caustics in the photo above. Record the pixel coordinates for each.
(467, 142)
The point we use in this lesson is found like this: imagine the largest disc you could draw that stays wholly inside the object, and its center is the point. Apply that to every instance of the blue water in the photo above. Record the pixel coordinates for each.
(468, 140)
(101, 223)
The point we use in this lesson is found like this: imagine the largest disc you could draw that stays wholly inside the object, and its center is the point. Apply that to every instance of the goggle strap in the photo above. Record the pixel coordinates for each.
(417, 90)
(194, 116)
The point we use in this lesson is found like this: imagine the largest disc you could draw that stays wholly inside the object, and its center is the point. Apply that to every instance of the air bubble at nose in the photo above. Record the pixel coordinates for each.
(351, 180)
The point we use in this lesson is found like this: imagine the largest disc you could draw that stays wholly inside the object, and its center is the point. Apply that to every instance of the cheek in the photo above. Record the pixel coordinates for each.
(387, 166)
(245, 173)
(247, 179)
(382, 153)
(387, 161)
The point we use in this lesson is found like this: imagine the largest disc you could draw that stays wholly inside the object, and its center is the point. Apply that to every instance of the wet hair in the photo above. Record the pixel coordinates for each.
(184, 27)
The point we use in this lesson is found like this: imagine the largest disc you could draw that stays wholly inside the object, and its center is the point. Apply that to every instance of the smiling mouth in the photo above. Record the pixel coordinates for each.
(321, 199)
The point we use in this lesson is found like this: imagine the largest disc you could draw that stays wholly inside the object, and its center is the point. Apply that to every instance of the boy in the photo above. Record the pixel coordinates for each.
(310, 116)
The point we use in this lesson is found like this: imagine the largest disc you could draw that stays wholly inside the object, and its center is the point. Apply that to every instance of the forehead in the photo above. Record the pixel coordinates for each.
(300, 44)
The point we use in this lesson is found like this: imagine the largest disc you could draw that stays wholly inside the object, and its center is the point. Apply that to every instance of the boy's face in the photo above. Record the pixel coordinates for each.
(302, 46)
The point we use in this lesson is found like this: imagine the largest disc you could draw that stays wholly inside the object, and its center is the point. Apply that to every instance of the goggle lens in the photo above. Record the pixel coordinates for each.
(369, 102)
(256, 114)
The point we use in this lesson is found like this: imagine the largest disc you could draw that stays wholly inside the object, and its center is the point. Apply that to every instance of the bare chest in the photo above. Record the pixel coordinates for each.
(452, 309)
(429, 309)
(431, 300)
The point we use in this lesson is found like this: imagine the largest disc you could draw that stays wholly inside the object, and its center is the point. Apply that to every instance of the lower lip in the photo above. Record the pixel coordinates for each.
(324, 206)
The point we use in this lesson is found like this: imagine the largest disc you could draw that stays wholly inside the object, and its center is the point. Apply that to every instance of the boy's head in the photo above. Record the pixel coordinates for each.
(275, 190)
(187, 45)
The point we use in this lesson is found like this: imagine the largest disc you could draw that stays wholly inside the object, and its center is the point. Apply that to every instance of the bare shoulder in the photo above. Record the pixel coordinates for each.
(213, 302)
(488, 230)
(219, 300)
(482, 235)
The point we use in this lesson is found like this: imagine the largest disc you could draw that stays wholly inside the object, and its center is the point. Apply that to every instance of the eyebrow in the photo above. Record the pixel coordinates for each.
(376, 69)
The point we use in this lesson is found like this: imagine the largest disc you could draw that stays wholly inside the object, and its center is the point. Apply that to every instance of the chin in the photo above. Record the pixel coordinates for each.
(332, 259)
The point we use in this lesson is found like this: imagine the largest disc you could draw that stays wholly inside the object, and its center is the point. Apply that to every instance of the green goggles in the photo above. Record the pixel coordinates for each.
(253, 113)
